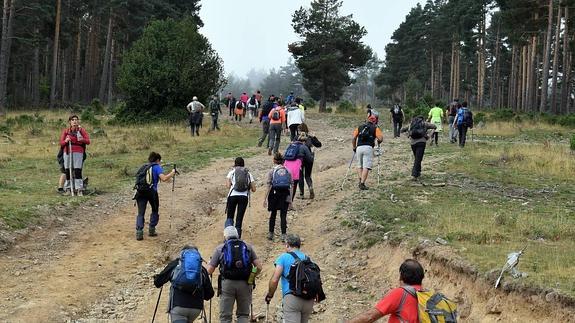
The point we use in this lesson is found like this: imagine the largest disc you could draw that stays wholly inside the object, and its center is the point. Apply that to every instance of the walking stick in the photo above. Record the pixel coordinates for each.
(347, 172)
(378, 162)
(71, 170)
(267, 310)
(173, 188)
(210, 321)
(157, 303)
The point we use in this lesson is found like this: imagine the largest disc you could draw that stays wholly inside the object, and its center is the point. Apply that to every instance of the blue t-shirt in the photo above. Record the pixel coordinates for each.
(156, 171)
(286, 260)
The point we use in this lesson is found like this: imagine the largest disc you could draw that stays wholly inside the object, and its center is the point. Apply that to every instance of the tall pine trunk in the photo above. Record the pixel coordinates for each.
(55, 54)
(110, 77)
(77, 67)
(546, 55)
(105, 66)
(565, 88)
(35, 86)
(8, 13)
(554, 107)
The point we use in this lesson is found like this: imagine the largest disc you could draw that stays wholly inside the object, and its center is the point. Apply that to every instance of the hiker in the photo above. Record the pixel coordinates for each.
(239, 111)
(259, 97)
(289, 99)
(297, 153)
(215, 110)
(417, 132)
(397, 303)
(452, 113)
(372, 112)
(148, 193)
(278, 195)
(363, 142)
(244, 98)
(231, 103)
(436, 117)
(307, 165)
(297, 308)
(195, 112)
(240, 181)
(187, 294)
(236, 260)
(75, 138)
(265, 121)
(295, 117)
(299, 103)
(397, 117)
(463, 121)
(253, 106)
(277, 118)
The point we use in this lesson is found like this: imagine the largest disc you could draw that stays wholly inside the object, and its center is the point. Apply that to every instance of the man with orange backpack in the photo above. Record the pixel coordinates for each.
(277, 118)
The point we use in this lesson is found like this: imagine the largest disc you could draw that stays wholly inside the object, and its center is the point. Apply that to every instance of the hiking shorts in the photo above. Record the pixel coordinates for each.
(364, 156)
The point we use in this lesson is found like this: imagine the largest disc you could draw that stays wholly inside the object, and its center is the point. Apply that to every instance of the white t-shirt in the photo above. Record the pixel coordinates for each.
(232, 179)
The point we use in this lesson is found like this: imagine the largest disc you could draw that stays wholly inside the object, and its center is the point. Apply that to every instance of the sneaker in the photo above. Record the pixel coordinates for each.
(152, 232)
(139, 235)
(301, 196)
(67, 193)
(61, 190)
(311, 194)
(79, 193)
(283, 237)
(363, 187)
(269, 152)
(270, 236)
(259, 144)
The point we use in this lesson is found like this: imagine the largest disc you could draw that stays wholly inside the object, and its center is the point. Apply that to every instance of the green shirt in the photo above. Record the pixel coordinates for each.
(436, 114)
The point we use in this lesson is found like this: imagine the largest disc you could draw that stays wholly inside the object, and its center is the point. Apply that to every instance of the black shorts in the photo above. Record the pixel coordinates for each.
(62, 169)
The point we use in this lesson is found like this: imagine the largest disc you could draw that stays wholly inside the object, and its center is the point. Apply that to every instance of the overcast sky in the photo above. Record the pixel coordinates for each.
(255, 33)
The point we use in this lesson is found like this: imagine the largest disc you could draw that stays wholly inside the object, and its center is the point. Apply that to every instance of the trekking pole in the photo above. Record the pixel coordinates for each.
(173, 188)
(71, 165)
(210, 320)
(347, 172)
(157, 303)
(267, 310)
(378, 162)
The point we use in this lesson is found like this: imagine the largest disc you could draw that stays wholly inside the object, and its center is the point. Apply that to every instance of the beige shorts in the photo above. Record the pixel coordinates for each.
(364, 156)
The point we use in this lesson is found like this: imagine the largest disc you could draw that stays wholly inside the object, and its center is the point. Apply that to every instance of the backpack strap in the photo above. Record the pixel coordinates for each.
(400, 306)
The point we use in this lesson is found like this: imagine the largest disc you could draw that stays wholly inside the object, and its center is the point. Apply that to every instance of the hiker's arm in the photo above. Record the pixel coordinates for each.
(207, 287)
(165, 178)
(258, 263)
(354, 140)
(228, 182)
(64, 138)
(85, 137)
(273, 284)
(253, 186)
(367, 317)
(164, 276)
(378, 135)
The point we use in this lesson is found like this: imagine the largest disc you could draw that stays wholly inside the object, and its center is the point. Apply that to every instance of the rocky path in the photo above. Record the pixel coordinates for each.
(86, 266)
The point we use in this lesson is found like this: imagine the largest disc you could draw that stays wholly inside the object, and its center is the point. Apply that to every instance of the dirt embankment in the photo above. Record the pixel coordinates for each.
(86, 266)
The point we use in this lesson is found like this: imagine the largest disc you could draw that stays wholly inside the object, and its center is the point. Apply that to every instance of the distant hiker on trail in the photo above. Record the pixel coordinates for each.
(397, 117)
(364, 138)
(147, 179)
(417, 132)
(277, 118)
(289, 99)
(307, 166)
(244, 98)
(231, 103)
(452, 113)
(215, 111)
(278, 195)
(436, 117)
(295, 117)
(463, 121)
(187, 294)
(253, 106)
(74, 140)
(265, 121)
(372, 112)
(240, 182)
(259, 97)
(299, 103)
(239, 265)
(239, 110)
(195, 111)
(397, 303)
(298, 299)
(297, 153)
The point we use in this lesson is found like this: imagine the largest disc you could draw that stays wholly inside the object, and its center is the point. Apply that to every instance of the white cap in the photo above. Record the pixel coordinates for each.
(195, 98)
(231, 232)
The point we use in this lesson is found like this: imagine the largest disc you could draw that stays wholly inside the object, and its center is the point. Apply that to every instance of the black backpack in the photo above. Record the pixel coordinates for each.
(276, 115)
(417, 129)
(366, 133)
(241, 179)
(305, 279)
(235, 263)
(144, 181)
(253, 101)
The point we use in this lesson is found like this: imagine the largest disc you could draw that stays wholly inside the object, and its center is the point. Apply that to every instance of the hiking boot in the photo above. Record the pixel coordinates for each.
(139, 235)
(363, 187)
(61, 190)
(259, 144)
(67, 193)
(283, 237)
(311, 194)
(269, 152)
(79, 193)
(270, 236)
(301, 196)
(197, 133)
(152, 232)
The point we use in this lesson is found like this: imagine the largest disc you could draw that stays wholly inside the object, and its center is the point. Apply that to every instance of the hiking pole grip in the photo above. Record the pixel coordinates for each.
(157, 303)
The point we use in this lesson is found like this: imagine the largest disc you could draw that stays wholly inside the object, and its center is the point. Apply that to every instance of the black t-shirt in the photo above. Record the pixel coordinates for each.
(396, 113)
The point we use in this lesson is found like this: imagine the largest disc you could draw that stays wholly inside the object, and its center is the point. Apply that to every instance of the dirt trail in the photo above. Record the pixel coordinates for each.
(88, 267)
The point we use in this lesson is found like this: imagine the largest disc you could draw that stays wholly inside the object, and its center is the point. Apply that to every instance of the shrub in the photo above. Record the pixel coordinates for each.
(310, 103)
(503, 115)
(346, 107)
(89, 116)
(97, 107)
(567, 120)
(573, 142)
(479, 117)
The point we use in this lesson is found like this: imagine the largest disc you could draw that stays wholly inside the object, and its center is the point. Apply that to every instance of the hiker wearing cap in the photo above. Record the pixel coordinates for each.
(452, 113)
(215, 111)
(240, 182)
(397, 116)
(265, 121)
(400, 306)
(297, 153)
(278, 195)
(149, 194)
(417, 132)
(363, 142)
(236, 260)
(73, 140)
(295, 117)
(277, 118)
(187, 294)
(297, 306)
(195, 112)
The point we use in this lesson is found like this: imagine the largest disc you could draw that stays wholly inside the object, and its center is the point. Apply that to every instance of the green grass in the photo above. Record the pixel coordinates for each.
(29, 170)
(499, 197)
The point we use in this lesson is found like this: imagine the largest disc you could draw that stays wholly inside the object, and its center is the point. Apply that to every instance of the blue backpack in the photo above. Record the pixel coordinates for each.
(235, 263)
(187, 276)
(292, 151)
(281, 178)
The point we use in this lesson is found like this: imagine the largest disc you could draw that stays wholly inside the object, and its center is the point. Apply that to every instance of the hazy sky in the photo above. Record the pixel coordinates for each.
(255, 33)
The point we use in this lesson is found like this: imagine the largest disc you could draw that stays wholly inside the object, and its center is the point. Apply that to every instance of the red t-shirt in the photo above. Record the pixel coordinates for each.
(390, 302)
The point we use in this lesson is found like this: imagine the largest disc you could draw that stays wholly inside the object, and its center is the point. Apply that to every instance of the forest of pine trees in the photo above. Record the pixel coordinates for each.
(515, 54)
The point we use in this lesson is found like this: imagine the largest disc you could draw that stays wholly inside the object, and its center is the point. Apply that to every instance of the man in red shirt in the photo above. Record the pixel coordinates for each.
(410, 273)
